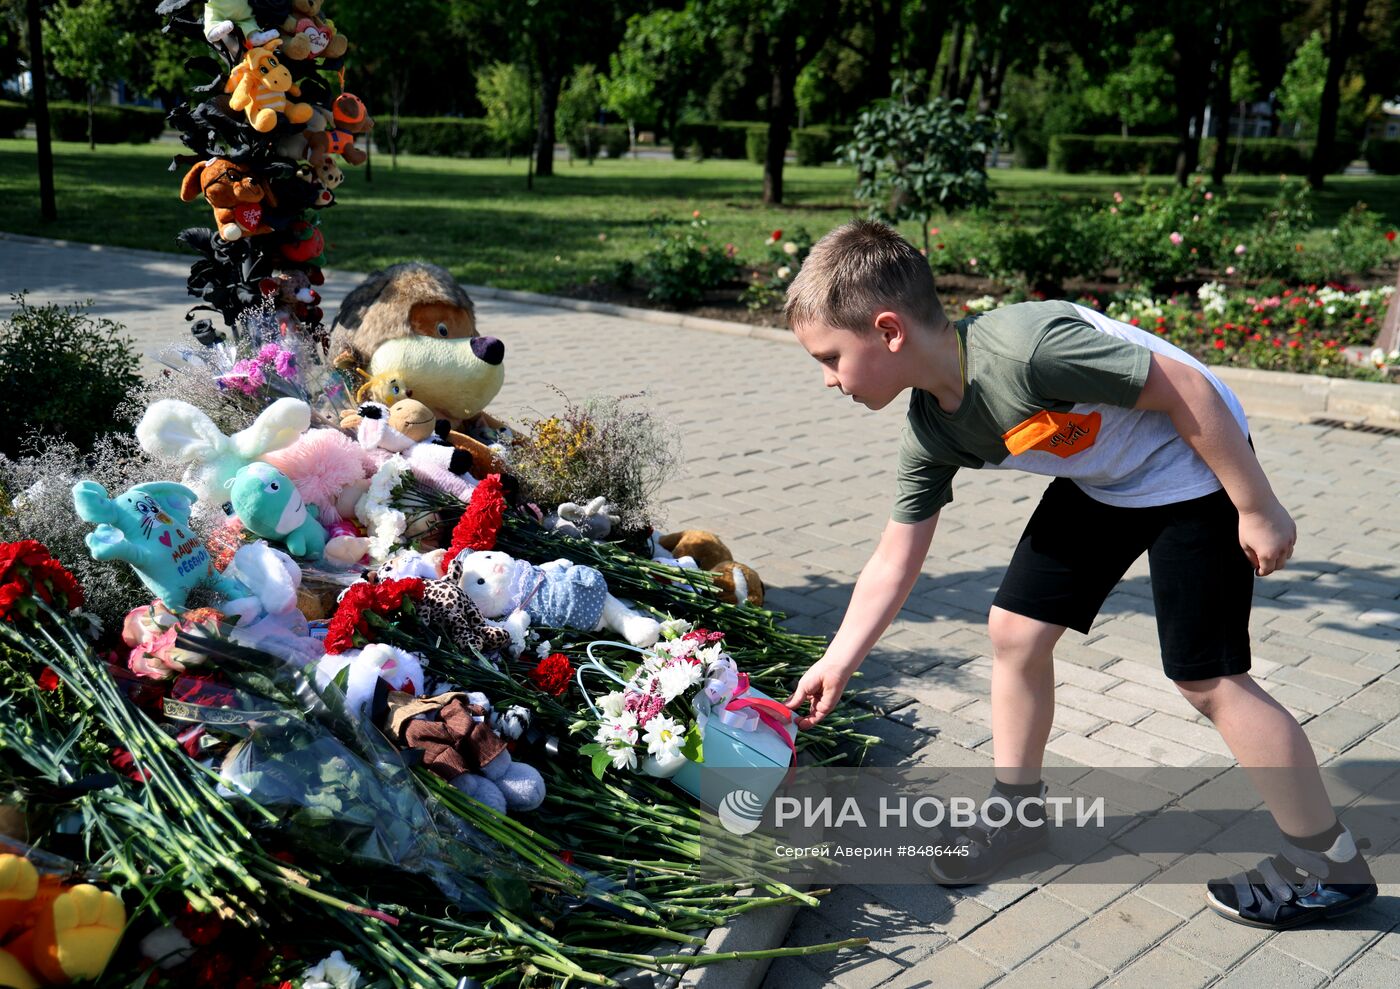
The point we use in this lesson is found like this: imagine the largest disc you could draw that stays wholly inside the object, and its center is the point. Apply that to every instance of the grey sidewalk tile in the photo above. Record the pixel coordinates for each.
(1195, 734)
(1329, 948)
(1268, 967)
(1119, 934)
(1023, 929)
(1369, 971)
(1339, 728)
(1055, 966)
(954, 967)
(1216, 941)
(1154, 748)
(1162, 968)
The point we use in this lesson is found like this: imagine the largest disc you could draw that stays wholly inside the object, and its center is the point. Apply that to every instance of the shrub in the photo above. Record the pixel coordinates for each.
(681, 266)
(13, 117)
(66, 375)
(1274, 244)
(713, 138)
(817, 145)
(914, 158)
(456, 137)
(1383, 157)
(784, 258)
(1071, 241)
(756, 144)
(1078, 153)
(612, 138)
(110, 124)
(1357, 245)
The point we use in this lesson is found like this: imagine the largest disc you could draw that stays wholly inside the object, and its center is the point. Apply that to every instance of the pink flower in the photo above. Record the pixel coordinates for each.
(1118, 197)
(972, 262)
(1239, 248)
(1176, 238)
(933, 232)
(1210, 196)
(1230, 270)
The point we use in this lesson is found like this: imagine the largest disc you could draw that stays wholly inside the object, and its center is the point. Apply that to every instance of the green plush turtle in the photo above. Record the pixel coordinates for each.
(270, 506)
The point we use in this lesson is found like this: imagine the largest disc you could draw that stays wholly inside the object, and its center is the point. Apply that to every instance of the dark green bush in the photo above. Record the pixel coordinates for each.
(1383, 157)
(447, 137)
(680, 266)
(612, 138)
(65, 374)
(756, 144)
(1114, 155)
(13, 117)
(1076, 153)
(817, 145)
(713, 138)
(110, 124)
(1070, 242)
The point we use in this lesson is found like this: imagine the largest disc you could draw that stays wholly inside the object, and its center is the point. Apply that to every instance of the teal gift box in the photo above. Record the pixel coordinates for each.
(739, 750)
(756, 759)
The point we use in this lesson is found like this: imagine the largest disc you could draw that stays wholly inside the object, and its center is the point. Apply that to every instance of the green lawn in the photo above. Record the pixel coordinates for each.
(476, 217)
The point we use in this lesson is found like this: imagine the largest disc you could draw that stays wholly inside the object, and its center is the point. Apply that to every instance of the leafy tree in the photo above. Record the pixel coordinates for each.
(655, 67)
(914, 159)
(1140, 93)
(87, 45)
(629, 89)
(1344, 28)
(1300, 93)
(504, 91)
(578, 107)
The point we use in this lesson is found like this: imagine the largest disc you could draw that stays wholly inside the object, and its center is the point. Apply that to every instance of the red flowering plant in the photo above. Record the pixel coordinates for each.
(367, 608)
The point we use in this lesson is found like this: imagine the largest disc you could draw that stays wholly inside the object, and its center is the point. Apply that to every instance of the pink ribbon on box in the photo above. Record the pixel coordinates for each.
(747, 713)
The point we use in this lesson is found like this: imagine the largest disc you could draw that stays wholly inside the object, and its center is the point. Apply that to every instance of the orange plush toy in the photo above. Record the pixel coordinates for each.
(238, 198)
(51, 933)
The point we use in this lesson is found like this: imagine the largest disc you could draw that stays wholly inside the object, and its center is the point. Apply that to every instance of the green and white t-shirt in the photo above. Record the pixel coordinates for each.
(1049, 388)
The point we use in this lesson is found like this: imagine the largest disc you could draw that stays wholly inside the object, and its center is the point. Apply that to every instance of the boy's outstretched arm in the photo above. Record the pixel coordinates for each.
(1200, 415)
(884, 584)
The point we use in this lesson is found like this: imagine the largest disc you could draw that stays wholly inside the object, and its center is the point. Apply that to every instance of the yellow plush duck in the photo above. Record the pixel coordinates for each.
(51, 933)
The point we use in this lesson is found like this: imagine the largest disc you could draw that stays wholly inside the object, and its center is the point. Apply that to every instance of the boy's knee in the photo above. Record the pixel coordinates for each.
(1204, 695)
(1016, 637)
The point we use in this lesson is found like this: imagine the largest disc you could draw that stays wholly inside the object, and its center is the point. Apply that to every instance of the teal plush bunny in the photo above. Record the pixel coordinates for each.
(148, 526)
(270, 506)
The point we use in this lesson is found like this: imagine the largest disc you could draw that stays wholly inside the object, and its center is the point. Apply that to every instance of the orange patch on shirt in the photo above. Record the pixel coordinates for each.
(1062, 433)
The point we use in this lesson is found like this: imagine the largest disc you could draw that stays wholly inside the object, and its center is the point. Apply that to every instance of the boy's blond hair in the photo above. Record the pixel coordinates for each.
(858, 270)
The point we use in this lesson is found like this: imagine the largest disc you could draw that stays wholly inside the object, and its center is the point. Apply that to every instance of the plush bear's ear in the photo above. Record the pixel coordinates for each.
(190, 188)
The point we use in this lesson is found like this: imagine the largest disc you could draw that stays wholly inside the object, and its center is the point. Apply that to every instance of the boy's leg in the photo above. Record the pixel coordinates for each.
(1023, 693)
(1262, 734)
(1202, 587)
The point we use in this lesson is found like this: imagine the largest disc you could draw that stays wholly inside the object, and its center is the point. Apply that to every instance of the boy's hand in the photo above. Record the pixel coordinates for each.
(822, 685)
(1267, 537)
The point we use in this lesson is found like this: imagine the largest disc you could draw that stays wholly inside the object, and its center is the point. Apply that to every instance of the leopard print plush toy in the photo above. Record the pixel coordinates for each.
(445, 605)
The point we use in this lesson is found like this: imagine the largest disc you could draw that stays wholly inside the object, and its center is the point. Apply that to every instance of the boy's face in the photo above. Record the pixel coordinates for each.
(863, 365)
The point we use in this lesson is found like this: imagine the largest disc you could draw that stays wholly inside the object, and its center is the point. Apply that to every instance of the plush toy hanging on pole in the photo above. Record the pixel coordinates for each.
(266, 136)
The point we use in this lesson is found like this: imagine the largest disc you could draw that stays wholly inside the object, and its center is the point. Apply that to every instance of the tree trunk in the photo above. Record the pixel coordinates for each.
(43, 139)
(951, 82)
(1192, 57)
(1221, 165)
(551, 78)
(783, 78)
(929, 39)
(1341, 41)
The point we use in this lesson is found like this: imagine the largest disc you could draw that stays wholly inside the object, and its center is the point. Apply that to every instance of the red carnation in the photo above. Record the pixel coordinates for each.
(1390, 235)
(28, 569)
(552, 674)
(477, 528)
(48, 680)
(349, 628)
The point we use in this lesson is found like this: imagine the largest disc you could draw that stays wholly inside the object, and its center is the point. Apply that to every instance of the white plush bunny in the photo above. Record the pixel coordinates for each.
(400, 669)
(269, 618)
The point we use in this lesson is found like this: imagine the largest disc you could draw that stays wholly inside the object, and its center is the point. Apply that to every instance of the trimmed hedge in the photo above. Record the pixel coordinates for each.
(1383, 157)
(756, 143)
(1115, 155)
(445, 137)
(13, 117)
(110, 124)
(817, 145)
(609, 139)
(713, 139)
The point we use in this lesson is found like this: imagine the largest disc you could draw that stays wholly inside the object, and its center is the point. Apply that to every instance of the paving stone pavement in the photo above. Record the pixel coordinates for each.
(798, 482)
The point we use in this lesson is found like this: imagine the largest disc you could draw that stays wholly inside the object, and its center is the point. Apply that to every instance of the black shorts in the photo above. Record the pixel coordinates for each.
(1075, 550)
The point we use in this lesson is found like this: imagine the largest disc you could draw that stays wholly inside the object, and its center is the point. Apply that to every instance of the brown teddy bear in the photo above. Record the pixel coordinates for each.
(737, 583)
(307, 36)
(409, 331)
(238, 197)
